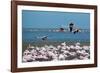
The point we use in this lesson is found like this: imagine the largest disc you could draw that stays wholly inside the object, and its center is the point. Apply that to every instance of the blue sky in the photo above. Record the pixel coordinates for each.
(53, 19)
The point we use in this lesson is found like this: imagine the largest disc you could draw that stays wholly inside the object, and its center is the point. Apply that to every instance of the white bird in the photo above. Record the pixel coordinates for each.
(58, 46)
(67, 47)
(43, 48)
(86, 47)
(63, 44)
(33, 51)
(26, 52)
(72, 53)
(61, 57)
(78, 47)
(71, 46)
(27, 57)
(37, 48)
(77, 44)
(46, 46)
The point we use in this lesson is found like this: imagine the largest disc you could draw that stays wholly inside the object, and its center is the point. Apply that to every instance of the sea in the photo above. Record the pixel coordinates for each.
(30, 35)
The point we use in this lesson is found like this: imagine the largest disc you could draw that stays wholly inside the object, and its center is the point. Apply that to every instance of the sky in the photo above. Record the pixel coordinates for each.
(53, 19)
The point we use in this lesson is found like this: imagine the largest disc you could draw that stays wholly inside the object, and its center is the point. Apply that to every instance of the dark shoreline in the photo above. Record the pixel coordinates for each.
(54, 43)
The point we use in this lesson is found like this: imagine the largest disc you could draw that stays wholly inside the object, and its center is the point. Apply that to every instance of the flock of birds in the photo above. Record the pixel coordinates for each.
(58, 53)
(71, 28)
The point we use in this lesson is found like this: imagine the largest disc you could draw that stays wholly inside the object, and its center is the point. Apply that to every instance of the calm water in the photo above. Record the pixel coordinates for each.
(29, 35)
